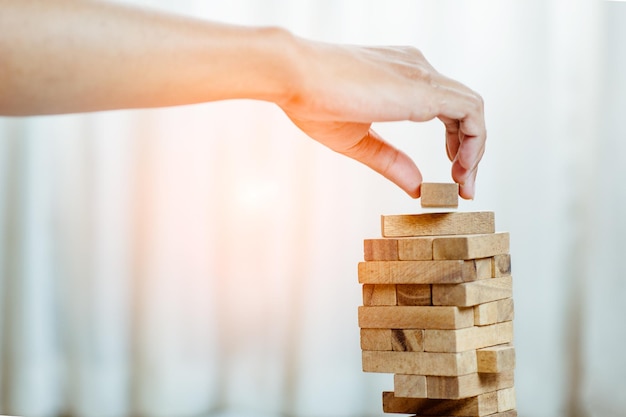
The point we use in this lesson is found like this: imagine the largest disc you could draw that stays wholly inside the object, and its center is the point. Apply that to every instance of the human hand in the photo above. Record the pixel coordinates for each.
(347, 88)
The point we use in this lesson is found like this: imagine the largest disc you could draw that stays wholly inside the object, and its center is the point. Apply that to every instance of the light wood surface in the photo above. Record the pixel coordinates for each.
(407, 340)
(420, 363)
(496, 359)
(463, 386)
(437, 194)
(471, 246)
(470, 338)
(436, 224)
(409, 386)
(379, 295)
(381, 250)
(415, 317)
(473, 293)
(376, 339)
(481, 405)
(413, 295)
(494, 312)
(423, 272)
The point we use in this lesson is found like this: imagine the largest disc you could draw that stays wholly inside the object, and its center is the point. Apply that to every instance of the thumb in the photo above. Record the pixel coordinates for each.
(373, 151)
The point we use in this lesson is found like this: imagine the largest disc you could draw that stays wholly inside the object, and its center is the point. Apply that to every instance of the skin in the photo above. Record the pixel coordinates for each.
(70, 56)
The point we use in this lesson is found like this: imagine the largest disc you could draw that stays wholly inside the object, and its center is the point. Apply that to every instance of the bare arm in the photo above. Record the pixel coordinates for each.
(62, 56)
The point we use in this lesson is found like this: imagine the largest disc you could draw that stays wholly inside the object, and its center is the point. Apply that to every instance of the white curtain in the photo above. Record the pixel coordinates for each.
(201, 260)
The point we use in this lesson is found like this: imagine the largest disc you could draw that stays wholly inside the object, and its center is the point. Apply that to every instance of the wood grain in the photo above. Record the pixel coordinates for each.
(471, 246)
(381, 250)
(506, 399)
(407, 340)
(409, 386)
(494, 312)
(415, 248)
(420, 363)
(470, 338)
(501, 265)
(463, 386)
(437, 224)
(413, 295)
(421, 272)
(376, 339)
(415, 317)
(473, 293)
(379, 295)
(437, 194)
(495, 359)
(481, 405)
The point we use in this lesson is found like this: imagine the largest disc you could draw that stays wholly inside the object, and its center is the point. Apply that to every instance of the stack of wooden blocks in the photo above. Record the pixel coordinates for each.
(438, 311)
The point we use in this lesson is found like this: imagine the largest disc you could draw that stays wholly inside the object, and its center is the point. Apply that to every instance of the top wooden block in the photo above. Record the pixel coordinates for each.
(444, 195)
(438, 224)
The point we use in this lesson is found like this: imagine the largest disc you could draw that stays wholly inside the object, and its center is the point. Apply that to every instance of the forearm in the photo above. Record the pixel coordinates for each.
(61, 56)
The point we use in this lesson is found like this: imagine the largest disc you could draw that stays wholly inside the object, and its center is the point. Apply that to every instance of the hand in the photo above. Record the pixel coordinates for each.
(347, 88)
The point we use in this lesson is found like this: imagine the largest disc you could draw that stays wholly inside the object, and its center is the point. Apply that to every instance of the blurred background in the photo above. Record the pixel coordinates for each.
(201, 260)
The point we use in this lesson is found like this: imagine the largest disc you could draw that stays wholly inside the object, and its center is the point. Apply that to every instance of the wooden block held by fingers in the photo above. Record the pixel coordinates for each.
(436, 194)
(415, 248)
(376, 339)
(422, 272)
(471, 246)
(494, 312)
(380, 249)
(415, 317)
(495, 359)
(407, 340)
(413, 295)
(480, 405)
(379, 295)
(501, 265)
(463, 386)
(420, 363)
(473, 293)
(409, 386)
(506, 399)
(436, 224)
(470, 338)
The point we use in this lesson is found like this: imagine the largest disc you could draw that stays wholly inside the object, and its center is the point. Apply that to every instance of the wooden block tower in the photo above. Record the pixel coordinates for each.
(438, 311)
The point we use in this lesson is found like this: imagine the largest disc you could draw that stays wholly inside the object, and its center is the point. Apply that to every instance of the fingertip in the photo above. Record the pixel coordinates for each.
(467, 191)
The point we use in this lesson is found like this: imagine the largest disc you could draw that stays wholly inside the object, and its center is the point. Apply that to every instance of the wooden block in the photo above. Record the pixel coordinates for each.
(407, 340)
(409, 386)
(420, 363)
(435, 194)
(483, 268)
(376, 339)
(415, 317)
(381, 249)
(471, 246)
(501, 265)
(506, 310)
(415, 248)
(420, 272)
(480, 405)
(495, 359)
(413, 295)
(470, 338)
(463, 386)
(506, 399)
(473, 293)
(437, 224)
(379, 295)
(494, 312)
